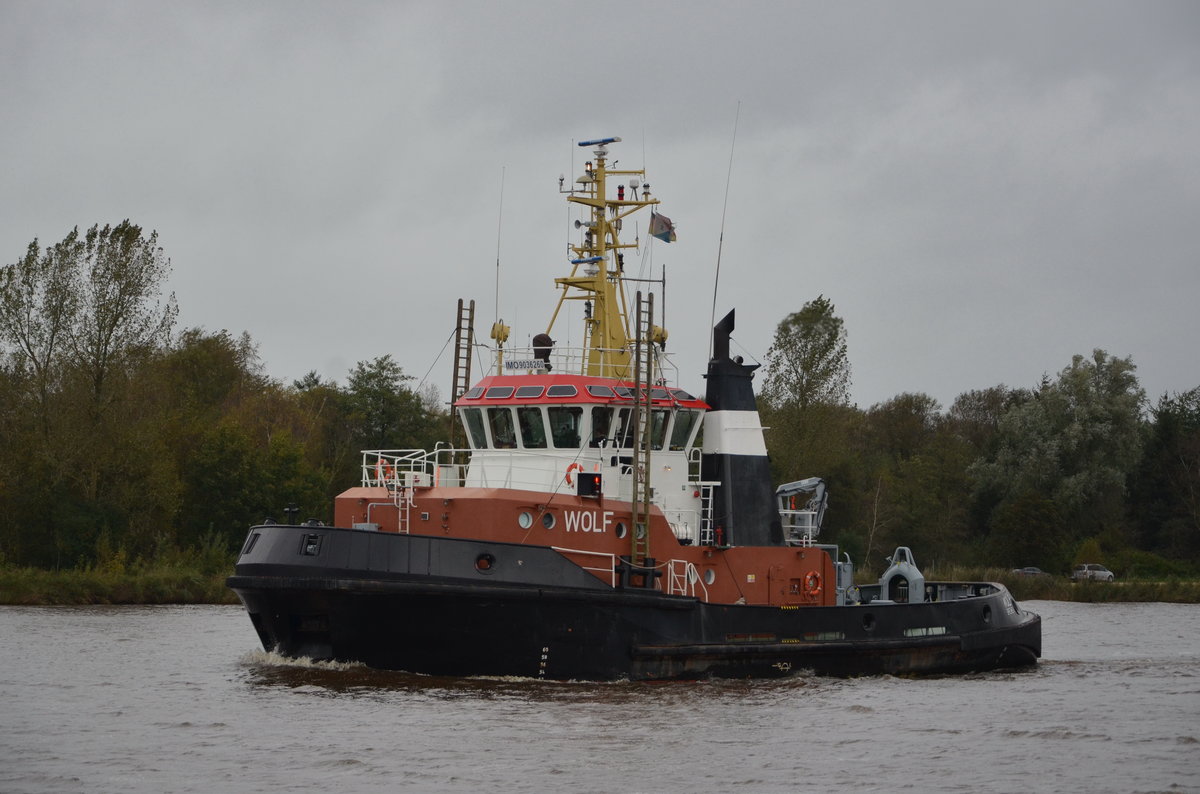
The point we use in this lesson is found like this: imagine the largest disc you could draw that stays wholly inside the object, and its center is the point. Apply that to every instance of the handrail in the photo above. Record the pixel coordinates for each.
(612, 561)
(573, 360)
(682, 575)
(799, 526)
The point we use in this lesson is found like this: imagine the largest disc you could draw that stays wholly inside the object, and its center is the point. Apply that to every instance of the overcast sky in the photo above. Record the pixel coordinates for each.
(982, 189)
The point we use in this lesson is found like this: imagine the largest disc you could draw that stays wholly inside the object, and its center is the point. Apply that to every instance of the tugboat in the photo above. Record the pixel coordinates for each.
(599, 523)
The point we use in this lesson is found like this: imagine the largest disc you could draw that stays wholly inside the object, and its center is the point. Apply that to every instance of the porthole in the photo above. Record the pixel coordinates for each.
(485, 563)
(525, 519)
(621, 530)
(987, 614)
(548, 520)
(868, 622)
(710, 576)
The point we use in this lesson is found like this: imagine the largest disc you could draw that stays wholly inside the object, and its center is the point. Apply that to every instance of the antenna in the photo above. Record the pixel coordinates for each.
(721, 241)
(499, 224)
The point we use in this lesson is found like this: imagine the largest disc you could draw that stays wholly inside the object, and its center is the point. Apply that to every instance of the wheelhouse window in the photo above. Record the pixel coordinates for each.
(624, 434)
(533, 428)
(565, 423)
(623, 430)
(501, 421)
(601, 425)
(473, 421)
(681, 431)
(659, 419)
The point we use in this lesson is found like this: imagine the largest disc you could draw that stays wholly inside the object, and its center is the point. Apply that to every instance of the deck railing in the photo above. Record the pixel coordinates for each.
(573, 361)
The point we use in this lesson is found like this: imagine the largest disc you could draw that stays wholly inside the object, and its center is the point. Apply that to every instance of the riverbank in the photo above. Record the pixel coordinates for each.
(1031, 588)
(36, 587)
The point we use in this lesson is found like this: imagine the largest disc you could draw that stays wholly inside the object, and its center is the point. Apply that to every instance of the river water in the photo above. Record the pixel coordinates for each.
(181, 699)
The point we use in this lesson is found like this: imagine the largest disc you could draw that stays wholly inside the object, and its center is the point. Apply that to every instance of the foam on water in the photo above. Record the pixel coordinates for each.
(261, 658)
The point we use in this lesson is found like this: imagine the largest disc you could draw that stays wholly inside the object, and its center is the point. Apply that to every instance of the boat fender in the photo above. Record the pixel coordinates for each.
(812, 583)
(573, 467)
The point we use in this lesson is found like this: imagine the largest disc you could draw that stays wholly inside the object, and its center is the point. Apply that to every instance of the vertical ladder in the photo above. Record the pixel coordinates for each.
(464, 343)
(643, 377)
(587, 342)
(403, 498)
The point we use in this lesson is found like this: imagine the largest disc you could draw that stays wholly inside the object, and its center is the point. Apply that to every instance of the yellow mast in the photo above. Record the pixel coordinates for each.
(597, 261)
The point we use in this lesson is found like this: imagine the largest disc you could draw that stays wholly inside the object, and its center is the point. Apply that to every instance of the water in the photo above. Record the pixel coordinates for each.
(180, 699)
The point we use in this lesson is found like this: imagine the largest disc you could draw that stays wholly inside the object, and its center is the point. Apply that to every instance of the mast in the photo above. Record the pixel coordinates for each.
(598, 261)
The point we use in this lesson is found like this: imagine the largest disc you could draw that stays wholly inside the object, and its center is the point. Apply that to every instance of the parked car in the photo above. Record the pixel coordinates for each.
(1091, 570)
(1029, 571)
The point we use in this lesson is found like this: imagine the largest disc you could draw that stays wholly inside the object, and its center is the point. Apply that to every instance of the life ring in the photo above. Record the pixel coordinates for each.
(573, 467)
(812, 584)
(384, 471)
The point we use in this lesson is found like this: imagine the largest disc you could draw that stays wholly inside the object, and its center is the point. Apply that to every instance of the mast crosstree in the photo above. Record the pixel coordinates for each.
(597, 261)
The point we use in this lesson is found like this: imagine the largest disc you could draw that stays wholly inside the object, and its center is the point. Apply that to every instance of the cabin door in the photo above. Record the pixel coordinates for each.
(777, 586)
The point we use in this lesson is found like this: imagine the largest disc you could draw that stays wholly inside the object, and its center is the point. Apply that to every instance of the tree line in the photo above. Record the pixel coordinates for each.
(120, 435)
(1079, 468)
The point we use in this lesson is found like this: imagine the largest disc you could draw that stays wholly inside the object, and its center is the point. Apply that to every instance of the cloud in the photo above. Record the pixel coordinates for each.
(982, 190)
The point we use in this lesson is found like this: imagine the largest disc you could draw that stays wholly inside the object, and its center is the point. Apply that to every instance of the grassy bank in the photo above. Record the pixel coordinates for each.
(1052, 589)
(142, 584)
(1174, 590)
(31, 586)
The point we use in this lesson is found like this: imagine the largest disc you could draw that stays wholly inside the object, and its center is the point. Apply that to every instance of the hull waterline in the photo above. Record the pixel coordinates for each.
(423, 615)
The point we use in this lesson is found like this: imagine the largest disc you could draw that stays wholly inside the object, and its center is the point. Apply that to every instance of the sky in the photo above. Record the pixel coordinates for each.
(983, 190)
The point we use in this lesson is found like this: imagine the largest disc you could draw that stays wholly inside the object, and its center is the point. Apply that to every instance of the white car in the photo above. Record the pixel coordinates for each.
(1092, 571)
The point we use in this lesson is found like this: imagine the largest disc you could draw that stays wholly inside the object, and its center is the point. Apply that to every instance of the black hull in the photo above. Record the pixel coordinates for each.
(423, 610)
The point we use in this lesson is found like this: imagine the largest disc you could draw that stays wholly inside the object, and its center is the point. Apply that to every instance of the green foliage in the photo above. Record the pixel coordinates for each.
(1075, 442)
(1026, 531)
(1130, 563)
(123, 446)
(1166, 491)
(388, 415)
(808, 363)
(1089, 551)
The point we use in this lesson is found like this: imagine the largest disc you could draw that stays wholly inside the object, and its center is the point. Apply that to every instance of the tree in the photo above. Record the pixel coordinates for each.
(76, 320)
(807, 363)
(1027, 531)
(387, 414)
(1074, 443)
(805, 406)
(38, 306)
(121, 313)
(903, 425)
(201, 374)
(1166, 490)
(975, 415)
(222, 486)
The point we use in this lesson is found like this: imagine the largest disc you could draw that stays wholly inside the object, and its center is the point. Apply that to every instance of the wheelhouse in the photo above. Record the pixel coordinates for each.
(570, 413)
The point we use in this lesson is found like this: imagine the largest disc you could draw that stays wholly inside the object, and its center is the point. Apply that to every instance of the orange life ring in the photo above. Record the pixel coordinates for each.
(384, 471)
(812, 584)
(571, 468)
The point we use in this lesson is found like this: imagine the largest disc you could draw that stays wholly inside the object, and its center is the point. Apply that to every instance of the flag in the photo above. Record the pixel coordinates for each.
(661, 227)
